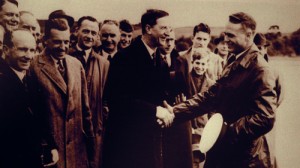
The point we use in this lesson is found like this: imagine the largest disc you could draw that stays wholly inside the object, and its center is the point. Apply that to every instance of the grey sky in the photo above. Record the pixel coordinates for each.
(285, 13)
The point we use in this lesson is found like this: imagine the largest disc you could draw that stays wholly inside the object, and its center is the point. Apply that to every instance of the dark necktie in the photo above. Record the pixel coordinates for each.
(61, 67)
(24, 81)
(228, 65)
(109, 58)
(154, 58)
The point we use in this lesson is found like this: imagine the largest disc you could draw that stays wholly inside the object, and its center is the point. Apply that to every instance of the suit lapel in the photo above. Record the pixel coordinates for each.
(51, 72)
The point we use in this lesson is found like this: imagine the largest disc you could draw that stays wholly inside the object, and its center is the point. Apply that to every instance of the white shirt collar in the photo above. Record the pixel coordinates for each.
(237, 56)
(20, 75)
(168, 58)
(87, 52)
(105, 54)
(149, 49)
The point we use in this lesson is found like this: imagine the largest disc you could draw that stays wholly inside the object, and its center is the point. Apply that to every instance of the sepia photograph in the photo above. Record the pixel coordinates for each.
(149, 84)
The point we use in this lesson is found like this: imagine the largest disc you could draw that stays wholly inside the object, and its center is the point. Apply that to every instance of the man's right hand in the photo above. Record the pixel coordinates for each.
(165, 118)
(55, 158)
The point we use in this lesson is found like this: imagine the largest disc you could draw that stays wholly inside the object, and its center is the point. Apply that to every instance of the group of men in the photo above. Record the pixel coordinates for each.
(88, 105)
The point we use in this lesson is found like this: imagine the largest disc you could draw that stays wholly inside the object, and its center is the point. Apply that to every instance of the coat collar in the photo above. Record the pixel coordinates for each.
(51, 71)
(248, 56)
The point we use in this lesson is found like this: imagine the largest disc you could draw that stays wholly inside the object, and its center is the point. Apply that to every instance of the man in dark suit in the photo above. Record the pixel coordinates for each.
(60, 93)
(19, 140)
(181, 148)
(96, 70)
(136, 89)
(246, 97)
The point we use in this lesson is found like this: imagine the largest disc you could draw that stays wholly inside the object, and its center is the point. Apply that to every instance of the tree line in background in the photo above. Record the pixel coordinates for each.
(280, 44)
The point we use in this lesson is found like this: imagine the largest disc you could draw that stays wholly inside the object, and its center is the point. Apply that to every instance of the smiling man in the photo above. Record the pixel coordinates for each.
(19, 141)
(126, 30)
(136, 89)
(246, 97)
(110, 37)
(96, 70)
(61, 96)
(9, 14)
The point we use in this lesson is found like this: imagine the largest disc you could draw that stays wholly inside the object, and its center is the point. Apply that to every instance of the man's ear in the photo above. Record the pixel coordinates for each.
(148, 28)
(5, 50)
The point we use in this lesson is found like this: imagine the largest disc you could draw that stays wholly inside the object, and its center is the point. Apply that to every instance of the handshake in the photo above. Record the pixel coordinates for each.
(165, 115)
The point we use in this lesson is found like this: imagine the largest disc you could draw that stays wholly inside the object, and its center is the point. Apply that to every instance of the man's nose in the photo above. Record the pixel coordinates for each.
(15, 18)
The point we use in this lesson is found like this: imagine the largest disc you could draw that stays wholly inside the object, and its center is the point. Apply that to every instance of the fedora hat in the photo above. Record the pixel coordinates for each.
(260, 40)
(61, 14)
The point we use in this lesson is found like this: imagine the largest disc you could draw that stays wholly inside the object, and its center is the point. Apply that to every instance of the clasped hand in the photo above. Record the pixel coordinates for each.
(165, 116)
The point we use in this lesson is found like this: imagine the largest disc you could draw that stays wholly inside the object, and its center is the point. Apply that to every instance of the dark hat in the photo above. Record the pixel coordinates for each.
(260, 40)
(219, 39)
(61, 14)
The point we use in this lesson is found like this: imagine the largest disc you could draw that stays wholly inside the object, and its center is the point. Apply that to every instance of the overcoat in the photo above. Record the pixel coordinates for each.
(246, 97)
(137, 84)
(177, 140)
(96, 70)
(64, 105)
(19, 142)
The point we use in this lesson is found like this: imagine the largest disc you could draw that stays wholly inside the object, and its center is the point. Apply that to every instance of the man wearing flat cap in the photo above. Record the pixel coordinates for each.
(246, 97)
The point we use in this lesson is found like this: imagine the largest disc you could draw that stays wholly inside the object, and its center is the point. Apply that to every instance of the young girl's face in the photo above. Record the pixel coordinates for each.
(200, 65)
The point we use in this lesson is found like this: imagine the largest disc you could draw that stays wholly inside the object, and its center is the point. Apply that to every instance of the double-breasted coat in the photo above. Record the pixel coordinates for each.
(64, 105)
(246, 97)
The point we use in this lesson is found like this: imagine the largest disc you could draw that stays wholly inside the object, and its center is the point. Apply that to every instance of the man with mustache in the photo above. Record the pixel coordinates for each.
(60, 93)
(137, 85)
(19, 141)
(245, 95)
(9, 14)
(96, 70)
(110, 37)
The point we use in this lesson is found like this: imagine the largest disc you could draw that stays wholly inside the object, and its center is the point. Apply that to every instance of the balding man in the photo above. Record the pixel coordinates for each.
(29, 22)
(110, 37)
(19, 140)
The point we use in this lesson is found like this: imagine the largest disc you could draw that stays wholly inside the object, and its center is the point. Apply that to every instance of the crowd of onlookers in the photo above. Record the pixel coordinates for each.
(86, 94)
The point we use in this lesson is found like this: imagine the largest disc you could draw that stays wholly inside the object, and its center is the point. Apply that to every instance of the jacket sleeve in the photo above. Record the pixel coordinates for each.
(199, 104)
(262, 109)
(38, 105)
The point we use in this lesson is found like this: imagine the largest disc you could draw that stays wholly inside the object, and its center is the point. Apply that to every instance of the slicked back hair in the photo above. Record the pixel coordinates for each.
(246, 20)
(2, 2)
(201, 27)
(150, 18)
(54, 24)
(90, 18)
